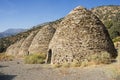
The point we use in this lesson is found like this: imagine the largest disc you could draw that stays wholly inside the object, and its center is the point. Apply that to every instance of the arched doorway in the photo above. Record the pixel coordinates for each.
(49, 56)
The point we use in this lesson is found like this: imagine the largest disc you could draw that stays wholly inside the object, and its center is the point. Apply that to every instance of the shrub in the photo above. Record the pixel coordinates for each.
(56, 65)
(75, 63)
(84, 63)
(66, 65)
(103, 58)
(117, 39)
(118, 57)
(35, 59)
(108, 24)
(5, 57)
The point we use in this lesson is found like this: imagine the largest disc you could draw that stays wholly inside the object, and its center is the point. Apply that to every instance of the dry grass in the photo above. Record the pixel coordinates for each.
(118, 57)
(96, 59)
(5, 57)
(103, 58)
(66, 65)
(56, 65)
(75, 63)
(35, 59)
(84, 63)
(114, 69)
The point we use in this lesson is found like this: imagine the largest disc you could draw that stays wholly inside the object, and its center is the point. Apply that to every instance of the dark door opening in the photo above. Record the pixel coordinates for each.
(49, 55)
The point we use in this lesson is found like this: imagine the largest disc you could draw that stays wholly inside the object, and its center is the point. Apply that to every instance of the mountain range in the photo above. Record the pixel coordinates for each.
(10, 32)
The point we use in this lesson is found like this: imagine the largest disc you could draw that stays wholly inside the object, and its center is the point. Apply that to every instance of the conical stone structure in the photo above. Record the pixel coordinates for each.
(41, 40)
(23, 50)
(14, 49)
(80, 35)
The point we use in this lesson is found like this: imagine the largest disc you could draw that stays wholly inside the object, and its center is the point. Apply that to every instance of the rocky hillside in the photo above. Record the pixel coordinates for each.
(110, 16)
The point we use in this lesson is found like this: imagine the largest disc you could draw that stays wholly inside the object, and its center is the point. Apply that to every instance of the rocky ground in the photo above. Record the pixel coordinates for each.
(17, 70)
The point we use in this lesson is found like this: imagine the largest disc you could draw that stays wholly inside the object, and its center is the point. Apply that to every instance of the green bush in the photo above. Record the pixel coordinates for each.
(35, 59)
(117, 39)
(114, 26)
(108, 24)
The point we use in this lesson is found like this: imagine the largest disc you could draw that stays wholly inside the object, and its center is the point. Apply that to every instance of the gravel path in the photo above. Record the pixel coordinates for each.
(17, 70)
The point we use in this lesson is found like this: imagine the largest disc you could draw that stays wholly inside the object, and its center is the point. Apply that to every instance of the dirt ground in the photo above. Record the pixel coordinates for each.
(17, 70)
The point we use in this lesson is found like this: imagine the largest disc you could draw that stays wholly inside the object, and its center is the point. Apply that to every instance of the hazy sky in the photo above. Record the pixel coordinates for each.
(27, 13)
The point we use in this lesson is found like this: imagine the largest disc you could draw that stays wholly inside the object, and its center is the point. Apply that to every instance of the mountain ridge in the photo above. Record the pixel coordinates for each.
(11, 31)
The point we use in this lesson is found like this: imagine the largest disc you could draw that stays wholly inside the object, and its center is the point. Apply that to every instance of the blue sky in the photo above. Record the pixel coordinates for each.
(28, 13)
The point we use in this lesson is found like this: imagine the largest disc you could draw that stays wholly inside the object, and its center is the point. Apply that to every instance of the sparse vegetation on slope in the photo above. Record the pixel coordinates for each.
(4, 57)
(117, 39)
(110, 16)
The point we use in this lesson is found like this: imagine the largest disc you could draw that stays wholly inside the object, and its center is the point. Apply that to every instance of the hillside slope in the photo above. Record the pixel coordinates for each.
(110, 16)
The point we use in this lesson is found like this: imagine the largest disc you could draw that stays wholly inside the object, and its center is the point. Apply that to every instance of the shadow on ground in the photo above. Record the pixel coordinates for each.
(118, 78)
(3, 66)
(7, 77)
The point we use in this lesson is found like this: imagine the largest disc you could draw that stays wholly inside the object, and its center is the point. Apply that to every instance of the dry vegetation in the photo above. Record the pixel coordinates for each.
(110, 16)
(92, 60)
(4, 57)
(35, 59)
(117, 39)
